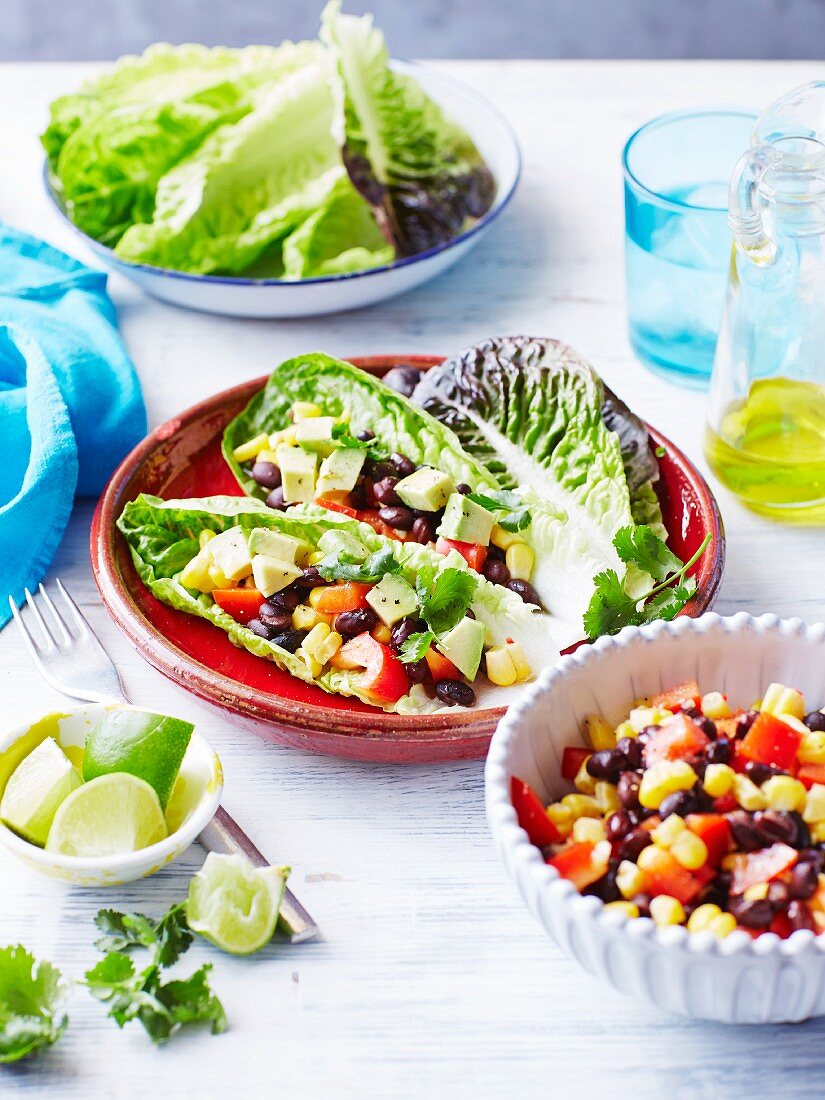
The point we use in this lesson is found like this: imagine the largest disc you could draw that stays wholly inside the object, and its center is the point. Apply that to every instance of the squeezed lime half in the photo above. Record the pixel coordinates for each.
(235, 905)
(111, 815)
(35, 790)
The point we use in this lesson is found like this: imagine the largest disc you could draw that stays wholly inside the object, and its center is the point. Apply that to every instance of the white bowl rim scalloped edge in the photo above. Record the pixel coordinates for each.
(157, 854)
(504, 825)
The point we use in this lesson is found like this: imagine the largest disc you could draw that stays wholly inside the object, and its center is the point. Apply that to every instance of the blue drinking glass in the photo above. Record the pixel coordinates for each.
(677, 244)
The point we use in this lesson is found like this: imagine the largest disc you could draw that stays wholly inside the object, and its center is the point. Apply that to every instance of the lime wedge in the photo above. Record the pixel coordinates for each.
(150, 746)
(37, 786)
(108, 816)
(234, 904)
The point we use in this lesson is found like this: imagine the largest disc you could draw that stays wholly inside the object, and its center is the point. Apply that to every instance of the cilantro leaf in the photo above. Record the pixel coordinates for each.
(168, 938)
(336, 567)
(342, 434)
(445, 598)
(610, 607)
(669, 602)
(516, 516)
(192, 1001)
(30, 996)
(173, 935)
(415, 647)
(641, 546)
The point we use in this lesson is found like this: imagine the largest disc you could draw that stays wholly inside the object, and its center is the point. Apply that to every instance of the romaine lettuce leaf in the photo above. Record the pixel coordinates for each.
(339, 387)
(419, 170)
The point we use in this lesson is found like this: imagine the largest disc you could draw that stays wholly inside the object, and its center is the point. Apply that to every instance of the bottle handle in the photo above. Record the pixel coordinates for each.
(744, 209)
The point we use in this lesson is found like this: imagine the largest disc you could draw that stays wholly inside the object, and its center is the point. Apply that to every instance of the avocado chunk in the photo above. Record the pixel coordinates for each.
(466, 521)
(463, 645)
(343, 544)
(273, 574)
(426, 489)
(297, 473)
(315, 434)
(230, 552)
(339, 471)
(276, 545)
(392, 599)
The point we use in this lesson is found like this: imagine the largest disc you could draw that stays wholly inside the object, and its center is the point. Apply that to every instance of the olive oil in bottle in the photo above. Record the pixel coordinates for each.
(770, 449)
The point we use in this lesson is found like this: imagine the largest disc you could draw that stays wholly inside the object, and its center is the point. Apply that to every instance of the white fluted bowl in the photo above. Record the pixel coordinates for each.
(735, 980)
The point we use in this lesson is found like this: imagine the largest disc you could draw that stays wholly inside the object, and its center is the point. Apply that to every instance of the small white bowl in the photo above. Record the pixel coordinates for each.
(280, 298)
(735, 980)
(201, 771)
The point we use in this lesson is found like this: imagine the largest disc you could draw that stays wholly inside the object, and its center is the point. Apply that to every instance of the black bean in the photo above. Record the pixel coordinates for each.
(800, 917)
(276, 500)
(779, 893)
(720, 752)
(495, 552)
(744, 723)
(397, 516)
(606, 764)
(618, 826)
(384, 491)
(691, 710)
(404, 466)
(496, 571)
(751, 914)
(358, 495)
(261, 629)
(631, 750)
(285, 600)
(525, 590)
(628, 790)
(680, 802)
(815, 721)
(276, 618)
(803, 833)
(365, 436)
(266, 474)
(774, 827)
(417, 671)
(761, 773)
(402, 631)
(380, 470)
(642, 903)
(804, 881)
(403, 379)
(422, 530)
(290, 640)
(741, 826)
(634, 843)
(707, 726)
(350, 623)
(812, 856)
(455, 693)
(463, 488)
(310, 578)
(610, 891)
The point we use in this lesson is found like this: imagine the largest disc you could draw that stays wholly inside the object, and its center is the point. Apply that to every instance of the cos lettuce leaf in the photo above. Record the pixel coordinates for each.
(420, 171)
(339, 388)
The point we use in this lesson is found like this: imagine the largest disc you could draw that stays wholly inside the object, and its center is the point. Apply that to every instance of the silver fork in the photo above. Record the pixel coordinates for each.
(69, 656)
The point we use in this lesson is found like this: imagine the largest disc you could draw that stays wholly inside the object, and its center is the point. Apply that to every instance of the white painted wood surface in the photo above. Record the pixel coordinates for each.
(431, 978)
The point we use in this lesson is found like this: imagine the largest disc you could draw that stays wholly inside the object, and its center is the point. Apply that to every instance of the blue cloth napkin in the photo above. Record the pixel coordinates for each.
(70, 401)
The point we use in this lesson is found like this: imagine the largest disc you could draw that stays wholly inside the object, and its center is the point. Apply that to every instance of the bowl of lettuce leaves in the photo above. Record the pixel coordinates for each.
(287, 181)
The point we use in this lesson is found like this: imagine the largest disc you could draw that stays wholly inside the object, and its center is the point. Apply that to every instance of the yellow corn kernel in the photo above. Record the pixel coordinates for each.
(382, 633)
(204, 537)
(500, 668)
(561, 816)
(600, 856)
(599, 733)
(642, 717)
(812, 748)
(590, 829)
(630, 879)
(819, 921)
(729, 862)
(689, 850)
(316, 595)
(315, 557)
(663, 778)
(747, 794)
(196, 573)
(581, 805)
(718, 779)
(626, 907)
(520, 560)
(315, 667)
(624, 729)
(285, 435)
(304, 410)
(757, 892)
(702, 915)
(666, 910)
(818, 832)
(523, 670)
(503, 539)
(218, 578)
(305, 617)
(785, 793)
(249, 450)
(814, 804)
(715, 705)
(665, 834)
(722, 925)
(328, 647)
(319, 633)
(607, 797)
(648, 857)
(779, 700)
(584, 781)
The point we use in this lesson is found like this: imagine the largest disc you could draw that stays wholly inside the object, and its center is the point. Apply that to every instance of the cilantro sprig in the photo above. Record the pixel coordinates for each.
(612, 607)
(31, 994)
(515, 515)
(341, 567)
(415, 647)
(444, 598)
(343, 436)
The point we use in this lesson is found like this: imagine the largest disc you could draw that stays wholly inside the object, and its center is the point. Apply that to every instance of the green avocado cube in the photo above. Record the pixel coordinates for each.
(343, 543)
(426, 489)
(463, 645)
(315, 433)
(339, 471)
(276, 545)
(466, 521)
(297, 473)
(273, 574)
(392, 599)
(230, 552)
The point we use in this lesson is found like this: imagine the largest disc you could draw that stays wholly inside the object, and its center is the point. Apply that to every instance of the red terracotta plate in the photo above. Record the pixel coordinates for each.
(182, 458)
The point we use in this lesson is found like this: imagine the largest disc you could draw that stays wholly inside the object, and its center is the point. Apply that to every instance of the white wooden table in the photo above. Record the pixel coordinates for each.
(431, 978)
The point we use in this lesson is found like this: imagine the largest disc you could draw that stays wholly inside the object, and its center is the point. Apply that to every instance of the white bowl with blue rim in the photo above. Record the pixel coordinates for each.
(282, 298)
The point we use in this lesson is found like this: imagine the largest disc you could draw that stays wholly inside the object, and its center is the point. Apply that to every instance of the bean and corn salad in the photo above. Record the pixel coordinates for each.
(691, 813)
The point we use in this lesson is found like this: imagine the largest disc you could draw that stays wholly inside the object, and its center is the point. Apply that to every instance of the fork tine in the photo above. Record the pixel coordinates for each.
(77, 616)
(48, 639)
(60, 625)
(31, 643)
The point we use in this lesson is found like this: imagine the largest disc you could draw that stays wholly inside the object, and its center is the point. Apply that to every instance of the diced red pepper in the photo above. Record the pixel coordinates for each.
(336, 506)
(771, 741)
(810, 774)
(572, 759)
(714, 830)
(440, 667)
(676, 738)
(687, 693)
(755, 867)
(346, 596)
(781, 925)
(725, 804)
(242, 604)
(370, 516)
(665, 875)
(531, 814)
(385, 678)
(576, 863)
(474, 554)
